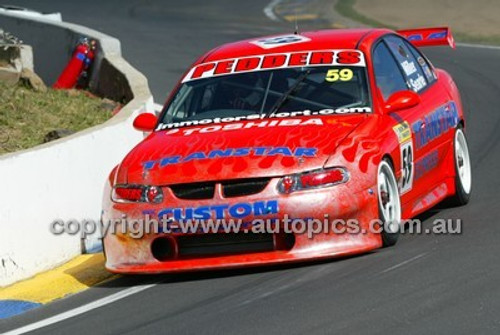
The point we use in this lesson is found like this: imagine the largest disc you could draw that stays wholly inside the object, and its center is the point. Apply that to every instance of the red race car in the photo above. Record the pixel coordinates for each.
(289, 148)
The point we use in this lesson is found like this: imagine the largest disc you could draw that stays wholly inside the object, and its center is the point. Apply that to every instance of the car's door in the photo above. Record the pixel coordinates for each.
(430, 127)
(436, 129)
(389, 78)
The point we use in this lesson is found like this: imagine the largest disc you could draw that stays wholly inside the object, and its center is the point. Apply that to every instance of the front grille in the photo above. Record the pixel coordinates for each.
(230, 188)
(194, 191)
(223, 244)
(238, 188)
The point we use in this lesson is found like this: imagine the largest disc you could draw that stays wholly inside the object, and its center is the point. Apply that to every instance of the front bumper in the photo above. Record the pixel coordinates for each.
(126, 254)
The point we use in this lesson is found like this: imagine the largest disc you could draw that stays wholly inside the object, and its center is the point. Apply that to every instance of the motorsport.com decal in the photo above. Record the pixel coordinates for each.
(232, 152)
(218, 120)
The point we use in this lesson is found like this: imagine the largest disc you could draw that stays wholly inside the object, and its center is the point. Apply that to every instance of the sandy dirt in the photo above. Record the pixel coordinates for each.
(472, 17)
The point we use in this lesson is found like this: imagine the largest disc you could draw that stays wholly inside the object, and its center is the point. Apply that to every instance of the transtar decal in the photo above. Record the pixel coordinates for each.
(232, 152)
(435, 124)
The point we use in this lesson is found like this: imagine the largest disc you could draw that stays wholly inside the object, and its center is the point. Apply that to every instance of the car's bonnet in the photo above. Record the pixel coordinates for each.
(235, 150)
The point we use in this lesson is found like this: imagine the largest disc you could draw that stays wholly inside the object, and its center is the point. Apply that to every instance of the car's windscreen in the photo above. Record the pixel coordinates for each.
(269, 92)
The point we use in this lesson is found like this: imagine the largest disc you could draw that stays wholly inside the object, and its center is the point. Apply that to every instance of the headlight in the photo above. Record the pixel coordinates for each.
(313, 179)
(137, 193)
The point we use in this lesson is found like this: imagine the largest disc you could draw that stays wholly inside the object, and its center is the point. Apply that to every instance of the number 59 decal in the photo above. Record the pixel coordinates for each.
(406, 166)
(334, 75)
(403, 133)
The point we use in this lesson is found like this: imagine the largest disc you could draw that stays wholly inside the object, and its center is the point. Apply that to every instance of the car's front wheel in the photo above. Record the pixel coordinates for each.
(389, 203)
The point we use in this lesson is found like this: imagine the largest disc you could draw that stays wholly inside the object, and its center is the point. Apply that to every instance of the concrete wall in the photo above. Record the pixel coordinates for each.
(63, 179)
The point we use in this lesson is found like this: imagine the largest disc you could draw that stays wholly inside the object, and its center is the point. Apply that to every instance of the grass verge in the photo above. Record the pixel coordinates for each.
(346, 9)
(27, 116)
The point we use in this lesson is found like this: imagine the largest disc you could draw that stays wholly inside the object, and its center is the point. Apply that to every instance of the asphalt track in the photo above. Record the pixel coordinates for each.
(426, 284)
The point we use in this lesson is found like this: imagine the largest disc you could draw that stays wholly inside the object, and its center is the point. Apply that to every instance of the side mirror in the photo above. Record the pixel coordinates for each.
(145, 122)
(401, 100)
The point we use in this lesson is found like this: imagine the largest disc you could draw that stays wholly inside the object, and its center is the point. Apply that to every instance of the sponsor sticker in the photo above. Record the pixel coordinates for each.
(238, 211)
(403, 131)
(276, 61)
(426, 164)
(409, 67)
(258, 120)
(435, 124)
(418, 83)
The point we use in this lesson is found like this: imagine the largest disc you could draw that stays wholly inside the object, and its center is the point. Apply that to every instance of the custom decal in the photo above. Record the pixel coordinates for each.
(231, 152)
(279, 41)
(435, 124)
(403, 132)
(276, 61)
(334, 75)
(219, 212)
(262, 120)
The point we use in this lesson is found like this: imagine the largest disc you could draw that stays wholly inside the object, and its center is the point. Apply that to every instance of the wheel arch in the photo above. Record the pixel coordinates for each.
(390, 159)
(461, 122)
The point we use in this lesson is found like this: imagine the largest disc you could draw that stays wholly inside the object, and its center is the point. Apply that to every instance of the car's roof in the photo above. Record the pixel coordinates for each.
(314, 40)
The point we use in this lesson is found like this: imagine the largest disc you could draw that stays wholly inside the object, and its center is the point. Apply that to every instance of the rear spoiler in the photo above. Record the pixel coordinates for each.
(426, 37)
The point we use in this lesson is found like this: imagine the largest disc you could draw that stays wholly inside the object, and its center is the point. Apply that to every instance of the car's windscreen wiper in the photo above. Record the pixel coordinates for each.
(284, 98)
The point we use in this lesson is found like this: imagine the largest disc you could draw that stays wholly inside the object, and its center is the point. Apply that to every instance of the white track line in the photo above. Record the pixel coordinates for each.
(478, 46)
(404, 262)
(269, 10)
(80, 310)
